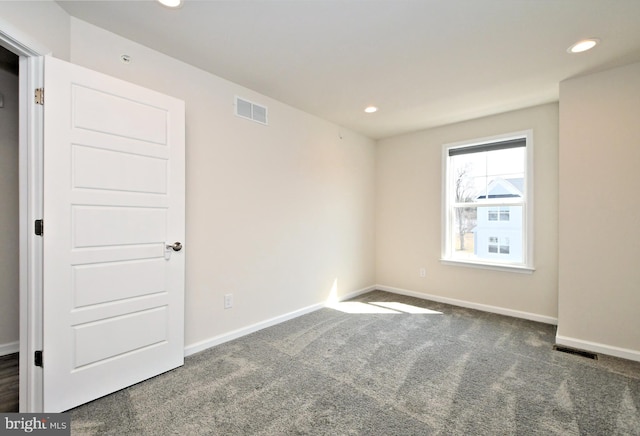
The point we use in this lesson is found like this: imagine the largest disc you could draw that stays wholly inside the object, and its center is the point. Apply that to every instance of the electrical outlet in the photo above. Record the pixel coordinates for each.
(228, 301)
(423, 272)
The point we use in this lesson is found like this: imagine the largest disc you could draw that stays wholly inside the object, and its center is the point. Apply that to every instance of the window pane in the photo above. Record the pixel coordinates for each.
(489, 174)
(477, 237)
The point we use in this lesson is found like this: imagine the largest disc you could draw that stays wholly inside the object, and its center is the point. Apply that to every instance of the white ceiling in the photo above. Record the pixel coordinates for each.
(422, 62)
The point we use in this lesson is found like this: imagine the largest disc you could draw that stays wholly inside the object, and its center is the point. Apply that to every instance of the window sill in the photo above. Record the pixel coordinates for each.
(491, 266)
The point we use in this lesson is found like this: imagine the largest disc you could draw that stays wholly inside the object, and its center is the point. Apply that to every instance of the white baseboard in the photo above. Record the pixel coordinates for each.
(235, 334)
(595, 347)
(9, 348)
(471, 305)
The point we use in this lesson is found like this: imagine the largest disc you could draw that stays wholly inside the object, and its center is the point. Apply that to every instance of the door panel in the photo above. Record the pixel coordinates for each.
(119, 116)
(94, 339)
(111, 281)
(117, 171)
(113, 296)
(127, 225)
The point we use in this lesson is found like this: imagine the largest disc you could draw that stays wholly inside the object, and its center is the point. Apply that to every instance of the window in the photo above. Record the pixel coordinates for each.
(498, 245)
(504, 249)
(487, 208)
(498, 213)
(493, 244)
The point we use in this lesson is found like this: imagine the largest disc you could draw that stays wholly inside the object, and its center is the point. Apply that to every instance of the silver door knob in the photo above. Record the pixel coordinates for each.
(176, 246)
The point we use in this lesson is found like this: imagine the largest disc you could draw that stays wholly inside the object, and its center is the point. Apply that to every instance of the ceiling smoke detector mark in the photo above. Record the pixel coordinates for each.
(251, 111)
(125, 59)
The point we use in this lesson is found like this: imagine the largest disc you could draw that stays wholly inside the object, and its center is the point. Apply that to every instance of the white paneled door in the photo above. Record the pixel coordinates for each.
(113, 287)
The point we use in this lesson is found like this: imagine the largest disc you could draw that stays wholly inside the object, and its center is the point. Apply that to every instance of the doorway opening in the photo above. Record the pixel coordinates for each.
(24, 58)
(9, 228)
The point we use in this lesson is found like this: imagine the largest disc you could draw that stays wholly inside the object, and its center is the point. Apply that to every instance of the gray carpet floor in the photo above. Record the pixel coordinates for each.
(332, 372)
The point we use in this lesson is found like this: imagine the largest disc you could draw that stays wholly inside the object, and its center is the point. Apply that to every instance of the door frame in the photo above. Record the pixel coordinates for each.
(31, 128)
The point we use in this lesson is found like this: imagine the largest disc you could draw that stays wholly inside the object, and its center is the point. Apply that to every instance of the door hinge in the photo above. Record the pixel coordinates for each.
(39, 227)
(37, 358)
(39, 96)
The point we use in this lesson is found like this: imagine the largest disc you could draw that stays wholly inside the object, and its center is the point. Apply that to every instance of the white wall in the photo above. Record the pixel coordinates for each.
(408, 217)
(275, 214)
(9, 266)
(599, 278)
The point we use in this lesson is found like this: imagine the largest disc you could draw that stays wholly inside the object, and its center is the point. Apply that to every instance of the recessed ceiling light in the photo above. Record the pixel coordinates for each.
(584, 45)
(370, 109)
(171, 3)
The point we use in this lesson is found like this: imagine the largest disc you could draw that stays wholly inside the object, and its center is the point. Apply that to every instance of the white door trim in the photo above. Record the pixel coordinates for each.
(30, 185)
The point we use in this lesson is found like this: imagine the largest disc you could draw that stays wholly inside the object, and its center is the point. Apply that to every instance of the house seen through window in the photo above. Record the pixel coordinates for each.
(486, 216)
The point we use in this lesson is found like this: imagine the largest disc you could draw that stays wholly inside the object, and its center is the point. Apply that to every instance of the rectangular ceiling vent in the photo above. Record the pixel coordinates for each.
(251, 111)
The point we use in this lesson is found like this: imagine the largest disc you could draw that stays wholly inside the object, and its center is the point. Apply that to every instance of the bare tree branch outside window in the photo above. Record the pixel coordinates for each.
(465, 192)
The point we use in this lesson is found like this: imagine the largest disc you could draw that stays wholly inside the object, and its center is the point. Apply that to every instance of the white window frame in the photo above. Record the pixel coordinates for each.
(447, 258)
